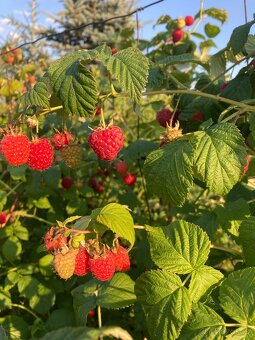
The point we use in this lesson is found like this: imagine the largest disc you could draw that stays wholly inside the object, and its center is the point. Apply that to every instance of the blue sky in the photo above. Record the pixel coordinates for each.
(171, 7)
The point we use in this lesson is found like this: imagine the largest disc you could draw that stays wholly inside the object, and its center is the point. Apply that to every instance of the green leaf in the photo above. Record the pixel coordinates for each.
(183, 59)
(114, 294)
(239, 37)
(211, 30)
(139, 149)
(237, 296)
(117, 218)
(3, 335)
(85, 333)
(250, 45)
(215, 13)
(231, 215)
(153, 286)
(220, 157)
(203, 323)
(247, 240)
(15, 327)
(82, 223)
(11, 248)
(242, 333)
(71, 219)
(181, 247)
(167, 317)
(218, 64)
(168, 171)
(59, 318)
(41, 298)
(117, 293)
(74, 84)
(3, 199)
(5, 299)
(239, 89)
(130, 67)
(39, 95)
(202, 279)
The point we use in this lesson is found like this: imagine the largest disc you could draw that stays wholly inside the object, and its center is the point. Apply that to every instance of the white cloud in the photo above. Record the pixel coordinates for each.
(4, 21)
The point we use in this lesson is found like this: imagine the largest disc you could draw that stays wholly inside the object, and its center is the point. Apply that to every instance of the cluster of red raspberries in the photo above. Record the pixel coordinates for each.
(100, 260)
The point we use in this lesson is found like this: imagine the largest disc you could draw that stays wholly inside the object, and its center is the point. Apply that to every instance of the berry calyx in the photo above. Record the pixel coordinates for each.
(54, 240)
(164, 117)
(189, 20)
(121, 167)
(170, 134)
(82, 262)
(60, 139)
(129, 179)
(15, 149)
(2, 218)
(67, 183)
(103, 266)
(41, 154)
(106, 142)
(121, 259)
(177, 35)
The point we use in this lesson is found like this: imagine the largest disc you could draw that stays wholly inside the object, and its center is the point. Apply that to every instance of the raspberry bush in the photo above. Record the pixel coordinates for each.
(127, 191)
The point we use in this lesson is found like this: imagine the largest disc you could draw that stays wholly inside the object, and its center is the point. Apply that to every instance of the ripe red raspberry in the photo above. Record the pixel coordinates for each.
(121, 167)
(82, 262)
(246, 167)
(41, 154)
(54, 240)
(15, 149)
(91, 313)
(223, 86)
(164, 117)
(107, 142)
(72, 155)
(129, 179)
(177, 35)
(10, 59)
(189, 20)
(92, 182)
(100, 187)
(198, 116)
(114, 50)
(2, 218)
(98, 111)
(103, 267)
(67, 182)
(62, 138)
(121, 258)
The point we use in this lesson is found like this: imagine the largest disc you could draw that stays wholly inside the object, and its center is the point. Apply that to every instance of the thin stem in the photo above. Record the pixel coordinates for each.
(222, 73)
(186, 279)
(200, 16)
(81, 231)
(102, 118)
(26, 309)
(12, 191)
(55, 108)
(233, 325)
(202, 94)
(136, 226)
(227, 250)
(145, 192)
(23, 214)
(99, 316)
